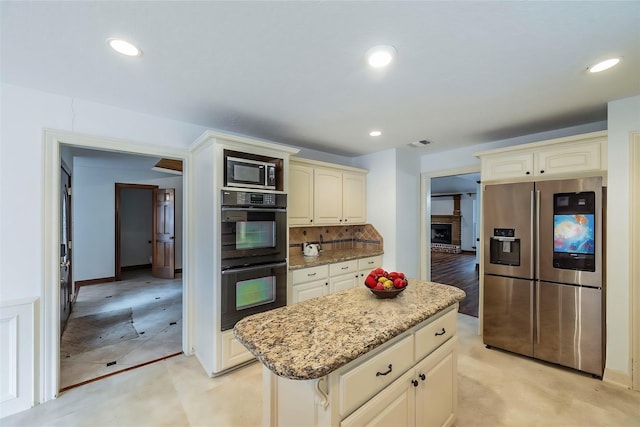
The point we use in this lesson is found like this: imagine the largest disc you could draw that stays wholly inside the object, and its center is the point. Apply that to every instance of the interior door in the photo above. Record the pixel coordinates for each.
(65, 248)
(163, 264)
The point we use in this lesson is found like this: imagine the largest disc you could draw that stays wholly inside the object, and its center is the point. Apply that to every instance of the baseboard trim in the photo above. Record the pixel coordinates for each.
(136, 267)
(619, 378)
(79, 283)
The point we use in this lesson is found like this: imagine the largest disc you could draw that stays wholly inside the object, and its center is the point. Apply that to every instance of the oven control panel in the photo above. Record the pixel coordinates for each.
(252, 198)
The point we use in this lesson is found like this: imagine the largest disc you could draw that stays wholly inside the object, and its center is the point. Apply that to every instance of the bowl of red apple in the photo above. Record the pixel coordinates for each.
(385, 284)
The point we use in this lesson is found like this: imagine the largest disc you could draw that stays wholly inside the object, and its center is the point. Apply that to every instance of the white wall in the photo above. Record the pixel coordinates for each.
(624, 117)
(94, 212)
(24, 114)
(393, 195)
(381, 186)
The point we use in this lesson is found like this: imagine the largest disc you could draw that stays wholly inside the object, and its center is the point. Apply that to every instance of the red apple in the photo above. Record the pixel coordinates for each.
(398, 283)
(371, 281)
(379, 287)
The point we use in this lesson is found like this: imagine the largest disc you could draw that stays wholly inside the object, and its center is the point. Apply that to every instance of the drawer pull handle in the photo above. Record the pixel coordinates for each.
(385, 373)
(311, 274)
(344, 268)
(441, 333)
(422, 377)
(415, 383)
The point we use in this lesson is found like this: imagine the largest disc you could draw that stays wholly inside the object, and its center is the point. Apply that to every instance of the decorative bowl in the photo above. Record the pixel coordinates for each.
(387, 293)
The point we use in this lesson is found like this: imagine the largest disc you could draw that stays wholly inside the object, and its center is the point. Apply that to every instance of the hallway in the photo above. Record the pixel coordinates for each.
(458, 270)
(117, 326)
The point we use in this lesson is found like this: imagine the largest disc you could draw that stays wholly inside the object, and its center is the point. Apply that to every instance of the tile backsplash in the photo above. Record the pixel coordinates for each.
(337, 237)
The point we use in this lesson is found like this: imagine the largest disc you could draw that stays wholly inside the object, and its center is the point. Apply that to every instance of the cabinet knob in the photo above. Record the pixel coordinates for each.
(312, 220)
(528, 173)
(542, 171)
(415, 383)
(422, 377)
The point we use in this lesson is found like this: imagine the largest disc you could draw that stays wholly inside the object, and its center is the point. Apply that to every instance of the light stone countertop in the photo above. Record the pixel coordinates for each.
(313, 338)
(298, 261)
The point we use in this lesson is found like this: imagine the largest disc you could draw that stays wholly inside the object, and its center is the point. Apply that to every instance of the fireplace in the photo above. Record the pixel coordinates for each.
(441, 233)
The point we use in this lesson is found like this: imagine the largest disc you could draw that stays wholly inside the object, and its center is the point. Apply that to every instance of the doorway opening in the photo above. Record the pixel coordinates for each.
(132, 318)
(452, 226)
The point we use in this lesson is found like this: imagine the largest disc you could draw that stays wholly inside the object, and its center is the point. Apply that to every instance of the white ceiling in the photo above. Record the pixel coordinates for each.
(294, 72)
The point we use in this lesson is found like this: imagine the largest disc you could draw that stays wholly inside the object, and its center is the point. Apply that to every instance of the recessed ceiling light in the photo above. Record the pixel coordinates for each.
(381, 56)
(124, 47)
(604, 65)
(375, 133)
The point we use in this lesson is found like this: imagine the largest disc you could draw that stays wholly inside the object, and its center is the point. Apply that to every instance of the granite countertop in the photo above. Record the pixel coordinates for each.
(313, 338)
(298, 261)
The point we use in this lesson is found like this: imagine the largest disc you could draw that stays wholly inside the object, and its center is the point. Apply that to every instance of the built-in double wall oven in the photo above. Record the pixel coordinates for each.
(253, 254)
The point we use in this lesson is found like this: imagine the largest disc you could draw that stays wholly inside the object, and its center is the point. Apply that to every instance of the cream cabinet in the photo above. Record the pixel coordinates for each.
(426, 396)
(300, 200)
(569, 157)
(365, 265)
(343, 275)
(312, 282)
(325, 194)
(391, 385)
(308, 283)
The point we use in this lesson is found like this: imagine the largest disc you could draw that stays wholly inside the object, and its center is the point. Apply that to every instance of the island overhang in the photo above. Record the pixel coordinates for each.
(313, 338)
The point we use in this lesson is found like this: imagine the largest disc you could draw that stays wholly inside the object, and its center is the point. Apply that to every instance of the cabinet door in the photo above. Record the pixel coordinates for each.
(507, 165)
(340, 283)
(365, 265)
(437, 392)
(354, 200)
(568, 158)
(327, 200)
(309, 290)
(393, 406)
(300, 201)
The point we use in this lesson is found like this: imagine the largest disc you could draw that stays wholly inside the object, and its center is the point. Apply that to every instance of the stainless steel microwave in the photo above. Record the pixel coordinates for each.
(246, 173)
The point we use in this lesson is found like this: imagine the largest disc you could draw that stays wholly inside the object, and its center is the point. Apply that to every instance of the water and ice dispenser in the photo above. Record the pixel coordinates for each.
(504, 247)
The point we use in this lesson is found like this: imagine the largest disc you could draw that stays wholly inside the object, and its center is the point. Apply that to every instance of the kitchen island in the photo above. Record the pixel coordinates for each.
(350, 358)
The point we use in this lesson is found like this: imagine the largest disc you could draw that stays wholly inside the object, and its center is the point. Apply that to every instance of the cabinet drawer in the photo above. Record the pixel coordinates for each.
(343, 267)
(370, 263)
(308, 274)
(435, 334)
(362, 382)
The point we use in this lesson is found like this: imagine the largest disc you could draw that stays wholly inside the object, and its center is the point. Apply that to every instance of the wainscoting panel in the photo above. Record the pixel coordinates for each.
(17, 358)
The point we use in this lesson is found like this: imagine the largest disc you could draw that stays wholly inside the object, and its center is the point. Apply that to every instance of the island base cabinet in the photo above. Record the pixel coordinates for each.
(425, 396)
(437, 390)
(393, 406)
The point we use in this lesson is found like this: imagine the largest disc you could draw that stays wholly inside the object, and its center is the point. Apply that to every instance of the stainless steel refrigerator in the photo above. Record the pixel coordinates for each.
(543, 271)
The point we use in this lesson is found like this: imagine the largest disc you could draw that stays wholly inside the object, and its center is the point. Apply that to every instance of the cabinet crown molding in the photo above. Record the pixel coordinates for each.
(318, 163)
(602, 134)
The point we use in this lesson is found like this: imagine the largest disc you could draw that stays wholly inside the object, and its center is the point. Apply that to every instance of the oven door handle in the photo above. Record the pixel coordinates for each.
(254, 267)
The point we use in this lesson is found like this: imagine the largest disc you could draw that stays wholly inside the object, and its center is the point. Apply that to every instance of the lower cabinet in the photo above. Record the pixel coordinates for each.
(424, 396)
(392, 385)
(326, 279)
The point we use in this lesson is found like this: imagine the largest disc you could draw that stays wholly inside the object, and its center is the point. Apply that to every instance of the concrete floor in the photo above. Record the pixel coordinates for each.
(156, 311)
(495, 389)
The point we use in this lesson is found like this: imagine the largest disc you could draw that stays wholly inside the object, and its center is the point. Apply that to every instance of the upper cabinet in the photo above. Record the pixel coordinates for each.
(326, 194)
(574, 156)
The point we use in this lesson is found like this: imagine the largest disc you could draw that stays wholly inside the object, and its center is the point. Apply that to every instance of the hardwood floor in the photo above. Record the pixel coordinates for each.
(458, 270)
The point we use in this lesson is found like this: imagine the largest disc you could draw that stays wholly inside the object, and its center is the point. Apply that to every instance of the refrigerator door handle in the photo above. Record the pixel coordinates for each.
(536, 302)
(532, 228)
(537, 234)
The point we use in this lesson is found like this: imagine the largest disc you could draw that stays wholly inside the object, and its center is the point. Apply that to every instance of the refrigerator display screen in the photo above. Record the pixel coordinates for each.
(574, 234)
